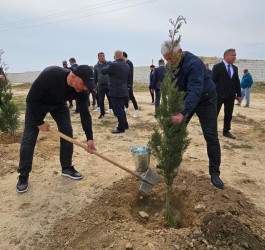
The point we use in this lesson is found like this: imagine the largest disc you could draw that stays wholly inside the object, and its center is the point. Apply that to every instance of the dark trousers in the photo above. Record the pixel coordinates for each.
(61, 115)
(228, 111)
(157, 98)
(132, 98)
(208, 119)
(97, 97)
(77, 106)
(152, 95)
(118, 106)
(102, 91)
(93, 98)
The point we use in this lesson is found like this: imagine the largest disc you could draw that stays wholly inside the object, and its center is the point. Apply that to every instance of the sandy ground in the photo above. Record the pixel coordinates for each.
(46, 216)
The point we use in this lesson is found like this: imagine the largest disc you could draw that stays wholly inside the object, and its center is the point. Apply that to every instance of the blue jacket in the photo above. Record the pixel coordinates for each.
(158, 77)
(119, 73)
(73, 66)
(195, 81)
(246, 81)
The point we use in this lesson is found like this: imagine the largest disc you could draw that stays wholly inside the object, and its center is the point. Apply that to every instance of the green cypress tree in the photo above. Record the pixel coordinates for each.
(9, 114)
(169, 141)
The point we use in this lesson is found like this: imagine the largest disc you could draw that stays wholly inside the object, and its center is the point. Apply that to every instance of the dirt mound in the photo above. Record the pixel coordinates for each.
(114, 220)
(47, 147)
(7, 138)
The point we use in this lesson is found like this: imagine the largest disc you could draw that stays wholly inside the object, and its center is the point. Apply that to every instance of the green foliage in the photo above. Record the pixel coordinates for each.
(105, 123)
(9, 118)
(258, 87)
(171, 220)
(20, 101)
(230, 146)
(170, 141)
(9, 113)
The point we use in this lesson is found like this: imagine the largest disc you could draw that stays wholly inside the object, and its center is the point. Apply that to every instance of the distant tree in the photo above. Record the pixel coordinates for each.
(169, 141)
(9, 115)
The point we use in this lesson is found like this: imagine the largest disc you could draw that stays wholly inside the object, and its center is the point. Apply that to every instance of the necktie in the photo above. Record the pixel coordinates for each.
(229, 71)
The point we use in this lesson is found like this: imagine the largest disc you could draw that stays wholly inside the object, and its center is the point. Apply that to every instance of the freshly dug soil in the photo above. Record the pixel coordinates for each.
(101, 211)
(229, 220)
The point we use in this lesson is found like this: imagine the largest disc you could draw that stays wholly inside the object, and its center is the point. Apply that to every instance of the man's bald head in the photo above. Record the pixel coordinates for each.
(118, 54)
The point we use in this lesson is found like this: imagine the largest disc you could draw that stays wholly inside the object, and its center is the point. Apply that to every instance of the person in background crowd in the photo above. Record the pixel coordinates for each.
(119, 73)
(73, 64)
(101, 82)
(158, 77)
(93, 93)
(246, 87)
(65, 65)
(130, 88)
(200, 98)
(225, 77)
(152, 68)
(209, 72)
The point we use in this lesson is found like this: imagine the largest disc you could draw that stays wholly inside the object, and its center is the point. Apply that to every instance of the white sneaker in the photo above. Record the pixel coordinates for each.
(136, 114)
(108, 111)
(97, 109)
(127, 111)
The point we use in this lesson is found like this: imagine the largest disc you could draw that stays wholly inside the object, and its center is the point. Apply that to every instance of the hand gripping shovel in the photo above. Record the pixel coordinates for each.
(148, 181)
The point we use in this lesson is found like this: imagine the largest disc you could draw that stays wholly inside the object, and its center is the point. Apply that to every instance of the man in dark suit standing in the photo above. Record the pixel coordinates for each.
(152, 69)
(118, 88)
(130, 88)
(225, 76)
(158, 77)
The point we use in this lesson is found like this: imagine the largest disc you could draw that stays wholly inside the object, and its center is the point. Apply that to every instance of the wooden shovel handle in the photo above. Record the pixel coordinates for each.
(84, 146)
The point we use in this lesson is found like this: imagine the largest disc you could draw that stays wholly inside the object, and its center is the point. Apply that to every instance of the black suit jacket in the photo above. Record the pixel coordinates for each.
(119, 75)
(226, 87)
(158, 77)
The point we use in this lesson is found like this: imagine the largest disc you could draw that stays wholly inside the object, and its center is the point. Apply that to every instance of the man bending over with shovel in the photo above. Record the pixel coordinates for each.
(48, 94)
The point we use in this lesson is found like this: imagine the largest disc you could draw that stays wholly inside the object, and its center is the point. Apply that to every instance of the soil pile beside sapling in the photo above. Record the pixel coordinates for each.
(207, 217)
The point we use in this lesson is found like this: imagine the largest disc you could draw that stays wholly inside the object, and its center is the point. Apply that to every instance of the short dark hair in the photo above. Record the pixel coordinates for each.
(125, 54)
(72, 60)
(100, 53)
(161, 61)
(245, 70)
(152, 66)
(228, 51)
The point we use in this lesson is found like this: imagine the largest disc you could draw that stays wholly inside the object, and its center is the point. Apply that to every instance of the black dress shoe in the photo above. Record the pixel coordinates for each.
(117, 131)
(216, 181)
(229, 135)
(126, 127)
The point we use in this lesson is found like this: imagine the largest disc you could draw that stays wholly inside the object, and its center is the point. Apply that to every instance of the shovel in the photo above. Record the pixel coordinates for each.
(148, 181)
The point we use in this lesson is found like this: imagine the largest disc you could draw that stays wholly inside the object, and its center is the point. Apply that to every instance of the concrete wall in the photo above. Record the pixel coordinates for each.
(26, 77)
(141, 74)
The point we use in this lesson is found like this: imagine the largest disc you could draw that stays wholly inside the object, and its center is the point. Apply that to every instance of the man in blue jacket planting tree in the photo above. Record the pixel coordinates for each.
(200, 98)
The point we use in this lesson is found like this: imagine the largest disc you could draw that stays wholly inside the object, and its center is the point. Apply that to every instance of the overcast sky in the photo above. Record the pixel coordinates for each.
(36, 34)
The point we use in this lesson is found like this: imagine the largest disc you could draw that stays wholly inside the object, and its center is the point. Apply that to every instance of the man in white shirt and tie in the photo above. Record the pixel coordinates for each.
(225, 76)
